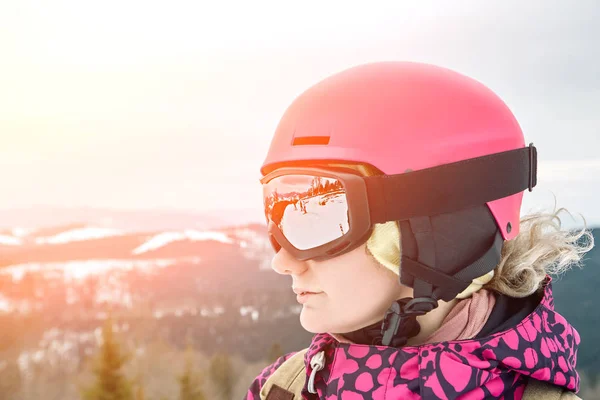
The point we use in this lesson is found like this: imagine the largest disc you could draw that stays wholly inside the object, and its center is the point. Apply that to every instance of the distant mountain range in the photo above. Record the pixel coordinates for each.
(125, 220)
(215, 284)
(233, 255)
(83, 241)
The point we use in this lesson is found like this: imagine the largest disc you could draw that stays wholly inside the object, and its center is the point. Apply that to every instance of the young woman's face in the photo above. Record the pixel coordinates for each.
(354, 291)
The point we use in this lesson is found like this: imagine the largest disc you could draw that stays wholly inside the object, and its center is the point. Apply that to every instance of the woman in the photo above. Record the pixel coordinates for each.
(414, 269)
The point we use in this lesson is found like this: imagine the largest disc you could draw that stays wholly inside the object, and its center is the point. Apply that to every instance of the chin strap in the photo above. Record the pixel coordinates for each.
(398, 325)
(400, 320)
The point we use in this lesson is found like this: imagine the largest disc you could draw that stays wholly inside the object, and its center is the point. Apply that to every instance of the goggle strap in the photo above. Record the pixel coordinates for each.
(451, 187)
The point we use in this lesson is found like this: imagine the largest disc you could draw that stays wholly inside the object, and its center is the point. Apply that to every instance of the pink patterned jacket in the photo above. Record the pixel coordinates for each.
(542, 346)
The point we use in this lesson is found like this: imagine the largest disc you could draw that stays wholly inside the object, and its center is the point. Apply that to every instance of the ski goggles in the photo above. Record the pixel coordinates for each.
(320, 213)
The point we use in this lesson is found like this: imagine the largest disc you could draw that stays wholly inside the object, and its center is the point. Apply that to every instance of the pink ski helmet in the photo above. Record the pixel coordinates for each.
(399, 116)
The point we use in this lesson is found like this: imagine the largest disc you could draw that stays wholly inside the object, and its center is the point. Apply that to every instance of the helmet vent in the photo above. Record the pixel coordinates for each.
(310, 140)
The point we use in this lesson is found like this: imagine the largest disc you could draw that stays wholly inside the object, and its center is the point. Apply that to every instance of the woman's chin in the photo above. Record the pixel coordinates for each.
(314, 322)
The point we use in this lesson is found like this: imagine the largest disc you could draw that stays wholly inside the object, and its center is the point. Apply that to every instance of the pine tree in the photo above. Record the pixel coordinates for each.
(221, 375)
(190, 381)
(110, 383)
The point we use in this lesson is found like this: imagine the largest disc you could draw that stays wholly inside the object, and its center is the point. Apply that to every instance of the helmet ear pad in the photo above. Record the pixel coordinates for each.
(460, 238)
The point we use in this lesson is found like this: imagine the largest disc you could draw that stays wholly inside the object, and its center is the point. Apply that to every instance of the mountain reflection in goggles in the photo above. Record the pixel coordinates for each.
(309, 210)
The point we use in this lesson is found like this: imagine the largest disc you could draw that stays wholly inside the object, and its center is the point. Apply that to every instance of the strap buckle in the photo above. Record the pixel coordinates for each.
(404, 308)
(532, 166)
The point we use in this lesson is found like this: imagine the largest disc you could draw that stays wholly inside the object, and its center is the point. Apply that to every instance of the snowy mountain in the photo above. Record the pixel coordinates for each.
(43, 217)
(213, 283)
(69, 257)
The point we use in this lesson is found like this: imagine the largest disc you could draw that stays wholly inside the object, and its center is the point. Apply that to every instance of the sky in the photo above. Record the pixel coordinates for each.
(172, 105)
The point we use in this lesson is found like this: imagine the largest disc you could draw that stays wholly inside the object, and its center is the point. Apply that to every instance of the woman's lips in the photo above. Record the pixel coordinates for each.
(305, 296)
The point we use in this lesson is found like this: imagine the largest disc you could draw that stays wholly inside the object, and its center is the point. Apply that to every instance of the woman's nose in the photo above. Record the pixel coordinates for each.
(283, 263)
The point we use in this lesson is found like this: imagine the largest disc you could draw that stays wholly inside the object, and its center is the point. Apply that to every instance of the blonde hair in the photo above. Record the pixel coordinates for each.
(541, 248)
